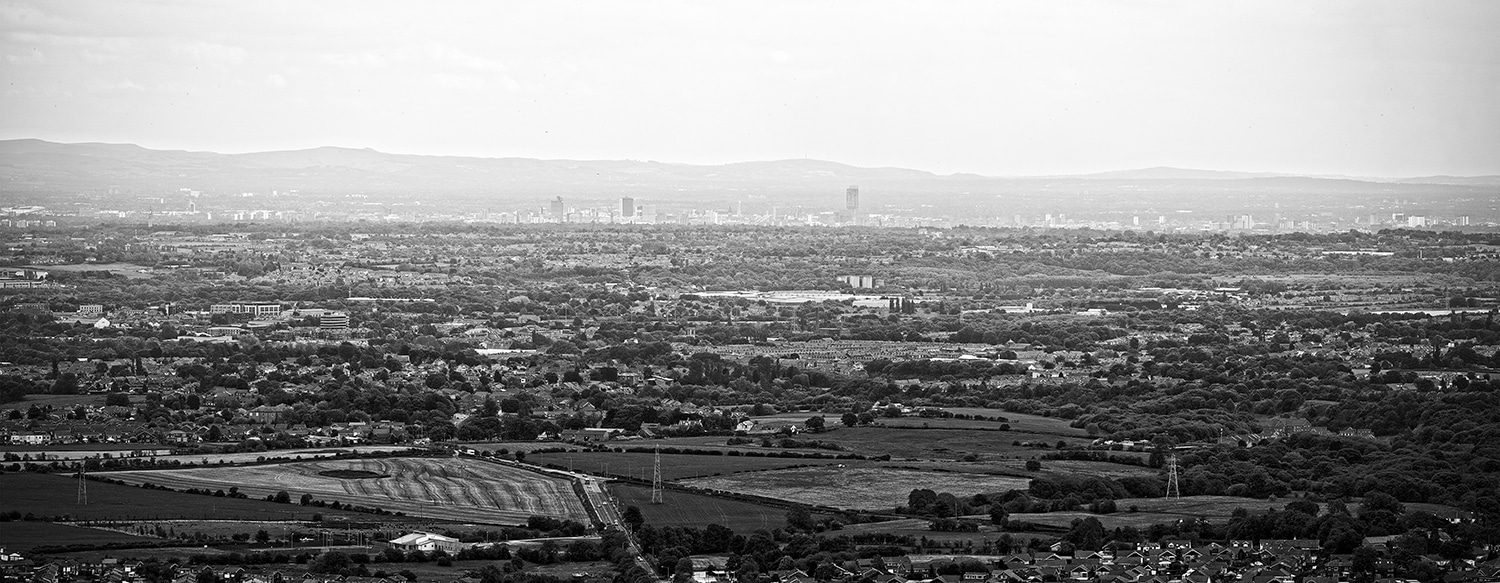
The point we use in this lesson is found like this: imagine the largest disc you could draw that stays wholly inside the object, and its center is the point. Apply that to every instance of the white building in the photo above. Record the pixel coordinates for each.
(428, 542)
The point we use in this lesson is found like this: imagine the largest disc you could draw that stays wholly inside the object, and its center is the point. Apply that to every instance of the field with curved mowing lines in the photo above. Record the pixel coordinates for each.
(450, 489)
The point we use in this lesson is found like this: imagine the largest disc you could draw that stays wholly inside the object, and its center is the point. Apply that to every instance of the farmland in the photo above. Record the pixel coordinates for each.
(680, 508)
(50, 495)
(1050, 468)
(938, 443)
(854, 487)
(290, 454)
(673, 466)
(27, 535)
(1023, 421)
(439, 488)
(1158, 511)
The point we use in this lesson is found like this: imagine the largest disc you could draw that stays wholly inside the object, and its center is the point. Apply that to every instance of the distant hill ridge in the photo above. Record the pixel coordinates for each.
(41, 168)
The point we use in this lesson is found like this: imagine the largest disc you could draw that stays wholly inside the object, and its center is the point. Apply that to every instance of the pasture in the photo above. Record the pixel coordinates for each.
(673, 466)
(942, 444)
(680, 508)
(445, 488)
(56, 496)
(1159, 510)
(288, 454)
(1017, 468)
(126, 270)
(26, 535)
(854, 487)
(1023, 422)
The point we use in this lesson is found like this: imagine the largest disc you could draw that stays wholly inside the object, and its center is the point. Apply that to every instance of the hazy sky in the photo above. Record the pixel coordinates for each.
(1000, 88)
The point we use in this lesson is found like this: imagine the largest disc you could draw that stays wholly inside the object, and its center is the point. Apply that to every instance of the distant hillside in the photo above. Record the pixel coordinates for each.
(37, 168)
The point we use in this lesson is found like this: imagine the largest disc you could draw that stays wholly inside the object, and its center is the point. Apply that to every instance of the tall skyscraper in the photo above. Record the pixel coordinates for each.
(556, 209)
(851, 199)
(627, 207)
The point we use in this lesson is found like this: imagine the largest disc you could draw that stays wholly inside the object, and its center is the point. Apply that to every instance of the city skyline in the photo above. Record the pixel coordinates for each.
(998, 89)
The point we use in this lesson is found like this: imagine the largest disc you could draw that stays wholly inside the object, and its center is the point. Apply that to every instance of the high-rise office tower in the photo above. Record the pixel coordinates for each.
(851, 199)
(627, 207)
(556, 209)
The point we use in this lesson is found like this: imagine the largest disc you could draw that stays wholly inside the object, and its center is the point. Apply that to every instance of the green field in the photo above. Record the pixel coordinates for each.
(27, 535)
(855, 487)
(1050, 468)
(48, 495)
(673, 466)
(1159, 510)
(58, 401)
(943, 444)
(918, 528)
(1024, 422)
(444, 488)
(680, 508)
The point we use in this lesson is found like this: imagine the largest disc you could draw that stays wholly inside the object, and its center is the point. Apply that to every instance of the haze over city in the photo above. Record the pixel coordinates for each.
(1381, 89)
(828, 291)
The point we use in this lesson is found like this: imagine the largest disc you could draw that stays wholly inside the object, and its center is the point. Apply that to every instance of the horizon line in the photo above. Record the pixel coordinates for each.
(1252, 173)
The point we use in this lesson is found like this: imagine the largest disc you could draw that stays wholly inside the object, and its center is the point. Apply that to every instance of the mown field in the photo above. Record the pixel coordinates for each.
(673, 466)
(25, 535)
(1023, 422)
(49, 495)
(918, 528)
(291, 454)
(1017, 468)
(1159, 510)
(938, 443)
(855, 487)
(680, 508)
(446, 488)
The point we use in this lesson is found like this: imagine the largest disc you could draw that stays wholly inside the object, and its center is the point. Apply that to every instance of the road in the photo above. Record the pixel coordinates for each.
(596, 495)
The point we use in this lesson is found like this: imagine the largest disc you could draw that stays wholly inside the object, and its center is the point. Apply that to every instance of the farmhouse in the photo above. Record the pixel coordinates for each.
(427, 542)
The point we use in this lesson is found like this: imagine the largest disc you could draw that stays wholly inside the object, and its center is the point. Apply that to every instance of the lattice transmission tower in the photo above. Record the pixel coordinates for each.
(83, 485)
(656, 477)
(1174, 487)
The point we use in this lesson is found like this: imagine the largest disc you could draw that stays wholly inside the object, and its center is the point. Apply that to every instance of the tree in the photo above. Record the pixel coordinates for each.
(682, 572)
(799, 518)
(117, 400)
(282, 497)
(997, 514)
(920, 498)
(633, 517)
(815, 424)
(849, 419)
(262, 537)
(66, 384)
(1376, 501)
(1086, 534)
(330, 562)
(748, 572)
(1033, 465)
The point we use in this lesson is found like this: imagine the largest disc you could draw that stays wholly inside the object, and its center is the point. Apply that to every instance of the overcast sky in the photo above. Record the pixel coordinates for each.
(1001, 88)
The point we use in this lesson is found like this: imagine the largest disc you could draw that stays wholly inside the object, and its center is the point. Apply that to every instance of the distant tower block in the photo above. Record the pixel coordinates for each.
(627, 207)
(851, 199)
